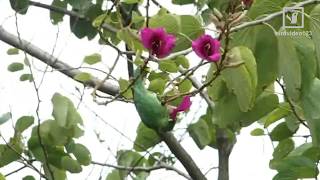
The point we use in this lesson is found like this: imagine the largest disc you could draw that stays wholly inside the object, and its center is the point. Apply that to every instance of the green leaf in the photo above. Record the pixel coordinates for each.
(200, 133)
(284, 176)
(131, 1)
(130, 38)
(167, 21)
(185, 86)
(57, 173)
(157, 85)
(315, 29)
(146, 138)
(20, 6)
(267, 58)
(182, 2)
(124, 88)
(80, 4)
(311, 108)
(189, 26)
(129, 158)
(83, 77)
(298, 166)
(114, 175)
(182, 60)
(257, 132)
(28, 178)
(2, 177)
(168, 66)
(70, 165)
(5, 117)
(13, 51)
(82, 154)
(55, 16)
(218, 87)
(25, 77)
(12, 153)
(306, 54)
(262, 7)
(307, 150)
(264, 104)
(156, 75)
(83, 27)
(226, 111)
(245, 37)
(280, 132)
(242, 80)
(24, 123)
(64, 112)
(282, 111)
(60, 109)
(16, 66)
(137, 18)
(283, 149)
(92, 59)
(289, 67)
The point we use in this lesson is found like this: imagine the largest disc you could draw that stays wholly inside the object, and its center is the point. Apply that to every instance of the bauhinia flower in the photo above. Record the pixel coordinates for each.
(157, 41)
(208, 48)
(183, 106)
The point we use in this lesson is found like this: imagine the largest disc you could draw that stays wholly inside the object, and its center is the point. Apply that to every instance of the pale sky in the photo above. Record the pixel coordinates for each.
(249, 159)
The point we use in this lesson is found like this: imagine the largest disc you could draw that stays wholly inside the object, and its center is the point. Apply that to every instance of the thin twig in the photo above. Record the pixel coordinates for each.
(15, 171)
(38, 106)
(295, 113)
(145, 169)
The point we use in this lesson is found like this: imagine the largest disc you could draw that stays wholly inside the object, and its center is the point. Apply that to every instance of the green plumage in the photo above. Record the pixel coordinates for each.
(152, 113)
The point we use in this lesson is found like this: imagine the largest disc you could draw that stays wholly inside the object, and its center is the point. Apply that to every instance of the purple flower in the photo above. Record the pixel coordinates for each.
(157, 41)
(207, 48)
(183, 106)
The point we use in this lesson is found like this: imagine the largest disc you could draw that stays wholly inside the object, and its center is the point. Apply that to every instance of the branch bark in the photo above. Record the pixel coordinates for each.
(225, 147)
(52, 61)
(185, 159)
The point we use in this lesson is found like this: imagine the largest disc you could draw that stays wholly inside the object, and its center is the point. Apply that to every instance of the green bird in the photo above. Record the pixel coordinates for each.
(152, 113)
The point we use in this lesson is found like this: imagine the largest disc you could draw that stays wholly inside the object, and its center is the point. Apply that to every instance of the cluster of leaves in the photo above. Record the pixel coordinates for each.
(242, 95)
(131, 159)
(246, 94)
(52, 143)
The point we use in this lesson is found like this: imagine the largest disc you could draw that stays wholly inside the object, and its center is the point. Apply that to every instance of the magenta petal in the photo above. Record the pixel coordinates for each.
(197, 47)
(214, 57)
(216, 45)
(157, 41)
(146, 37)
(173, 114)
(206, 47)
(185, 104)
(167, 46)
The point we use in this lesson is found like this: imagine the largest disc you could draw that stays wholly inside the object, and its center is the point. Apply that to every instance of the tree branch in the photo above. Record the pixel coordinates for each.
(145, 169)
(70, 13)
(185, 159)
(54, 62)
(225, 147)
